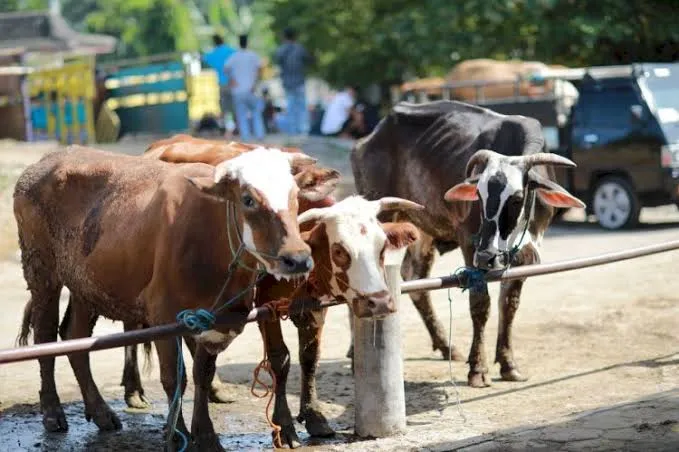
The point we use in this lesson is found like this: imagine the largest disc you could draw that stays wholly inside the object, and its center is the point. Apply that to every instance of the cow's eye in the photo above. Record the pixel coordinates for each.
(340, 256)
(248, 201)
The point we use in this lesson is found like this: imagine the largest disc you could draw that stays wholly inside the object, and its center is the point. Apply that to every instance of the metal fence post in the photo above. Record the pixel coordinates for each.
(378, 366)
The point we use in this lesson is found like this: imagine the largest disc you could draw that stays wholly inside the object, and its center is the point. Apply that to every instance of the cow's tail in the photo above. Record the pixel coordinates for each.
(148, 358)
(22, 338)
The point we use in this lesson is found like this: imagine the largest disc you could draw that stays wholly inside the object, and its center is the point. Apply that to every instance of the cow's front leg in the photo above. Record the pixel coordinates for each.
(510, 293)
(479, 306)
(218, 393)
(202, 429)
(279, 357)
(167, 359)
(310, 328)
(508, 304)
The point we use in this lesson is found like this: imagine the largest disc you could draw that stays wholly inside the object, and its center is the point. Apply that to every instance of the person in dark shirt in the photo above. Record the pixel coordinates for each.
(293, 58)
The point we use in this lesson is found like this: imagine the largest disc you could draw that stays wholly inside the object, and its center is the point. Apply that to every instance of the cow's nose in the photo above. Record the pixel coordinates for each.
(297, 262)
(486, 260)
(381, 304)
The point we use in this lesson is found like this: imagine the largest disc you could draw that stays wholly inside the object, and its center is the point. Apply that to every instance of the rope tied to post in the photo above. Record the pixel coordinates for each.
(197, 321)
(471, 278)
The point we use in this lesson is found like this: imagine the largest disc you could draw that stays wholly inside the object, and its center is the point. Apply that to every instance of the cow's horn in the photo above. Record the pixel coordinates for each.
(546, 158)
(480, 157)
(312, 215)
(393, 203)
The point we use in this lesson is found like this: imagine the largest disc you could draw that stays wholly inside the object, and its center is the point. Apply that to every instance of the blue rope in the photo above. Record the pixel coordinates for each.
(471, 278)
(196, 321)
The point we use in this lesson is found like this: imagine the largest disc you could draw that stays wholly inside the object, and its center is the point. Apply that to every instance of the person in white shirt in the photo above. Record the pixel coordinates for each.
(338, 113)
(244, 70)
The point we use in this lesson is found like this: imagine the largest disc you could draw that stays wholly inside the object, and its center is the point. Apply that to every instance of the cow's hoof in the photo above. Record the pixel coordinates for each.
(219, 394)
(316, 424)
(105, 419)
(207, 442)
(137, 401)
(512, 375)
(453, 354)
(54, 420)
(478, 380)
(288, 436)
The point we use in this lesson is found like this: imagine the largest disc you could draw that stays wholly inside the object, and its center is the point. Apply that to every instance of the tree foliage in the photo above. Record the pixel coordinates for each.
(385, 41)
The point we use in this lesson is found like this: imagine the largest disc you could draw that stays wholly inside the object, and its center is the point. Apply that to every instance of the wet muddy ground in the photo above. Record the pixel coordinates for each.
(601, 348)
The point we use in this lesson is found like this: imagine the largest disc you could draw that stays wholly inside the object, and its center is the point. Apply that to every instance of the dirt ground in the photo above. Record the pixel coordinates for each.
(601, 348)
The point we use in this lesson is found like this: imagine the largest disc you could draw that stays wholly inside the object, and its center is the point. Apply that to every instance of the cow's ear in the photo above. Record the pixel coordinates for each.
(400, 235)
(316, 237)
(552, 193)
(464, 191)
(316, 183)
(298, 161)
(208, 187)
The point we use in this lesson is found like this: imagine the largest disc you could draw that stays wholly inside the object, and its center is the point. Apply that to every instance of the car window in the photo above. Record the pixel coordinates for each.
(609, 106)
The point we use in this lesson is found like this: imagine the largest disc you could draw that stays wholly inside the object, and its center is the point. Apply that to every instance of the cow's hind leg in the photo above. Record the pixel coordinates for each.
(279, 356)
(202, 429)
(45, 321)
(218, 393)
(43, 316)
(167, 360)
(417, 265)
(134, 391)
(479, 306)
(310, 328)
(80, 325)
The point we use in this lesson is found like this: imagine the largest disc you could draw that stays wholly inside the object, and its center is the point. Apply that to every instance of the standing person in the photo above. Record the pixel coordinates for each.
(293, 58)
(216, 59)
(244, 69)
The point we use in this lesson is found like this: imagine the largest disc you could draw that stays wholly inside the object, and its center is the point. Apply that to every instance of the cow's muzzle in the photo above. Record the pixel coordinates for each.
(296, 263)
(376, 305)
(489, 260)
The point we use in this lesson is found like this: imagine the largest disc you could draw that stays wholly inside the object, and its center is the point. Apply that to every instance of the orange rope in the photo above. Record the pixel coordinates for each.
(280, 309)
(269, 390)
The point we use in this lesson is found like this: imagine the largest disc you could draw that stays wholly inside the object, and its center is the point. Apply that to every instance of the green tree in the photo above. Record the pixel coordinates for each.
(387, 41)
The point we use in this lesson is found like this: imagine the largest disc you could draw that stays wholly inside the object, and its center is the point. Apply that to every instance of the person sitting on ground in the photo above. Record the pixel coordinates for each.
(338, 115)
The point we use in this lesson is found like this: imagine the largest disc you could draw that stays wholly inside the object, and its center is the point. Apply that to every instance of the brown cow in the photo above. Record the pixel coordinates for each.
(140, 240)
(315, 184)
(348, 246)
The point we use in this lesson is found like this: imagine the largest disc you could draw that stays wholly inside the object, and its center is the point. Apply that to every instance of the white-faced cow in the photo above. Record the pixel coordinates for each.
(484, 179)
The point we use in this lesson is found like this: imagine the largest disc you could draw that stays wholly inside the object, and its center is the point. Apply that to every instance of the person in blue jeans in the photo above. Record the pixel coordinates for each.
(293, 58)
(244, 70)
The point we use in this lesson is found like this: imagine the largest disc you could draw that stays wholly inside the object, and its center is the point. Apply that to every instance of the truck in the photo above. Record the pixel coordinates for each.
(620, 126)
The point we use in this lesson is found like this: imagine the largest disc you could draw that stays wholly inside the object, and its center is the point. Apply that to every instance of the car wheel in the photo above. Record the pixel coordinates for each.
(615, 203)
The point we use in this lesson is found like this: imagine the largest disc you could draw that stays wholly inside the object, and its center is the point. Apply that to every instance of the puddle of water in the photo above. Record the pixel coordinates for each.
(21, 430)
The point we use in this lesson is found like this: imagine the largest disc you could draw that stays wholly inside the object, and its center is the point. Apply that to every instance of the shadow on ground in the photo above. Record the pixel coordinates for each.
(651, 423)
(648, 424)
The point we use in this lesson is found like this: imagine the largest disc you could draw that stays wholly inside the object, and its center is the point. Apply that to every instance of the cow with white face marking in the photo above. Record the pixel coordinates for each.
(488, 187)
